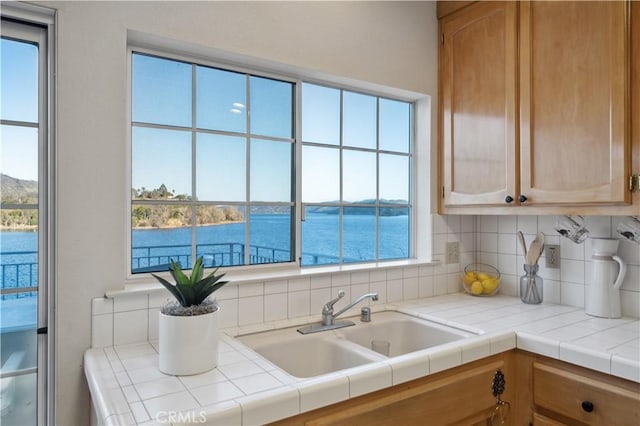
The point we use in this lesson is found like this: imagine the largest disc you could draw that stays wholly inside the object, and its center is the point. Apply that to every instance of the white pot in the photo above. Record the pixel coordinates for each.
(188, 344)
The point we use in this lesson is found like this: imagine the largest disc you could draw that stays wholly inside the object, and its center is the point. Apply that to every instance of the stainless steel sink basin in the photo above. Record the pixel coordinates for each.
(388, 334)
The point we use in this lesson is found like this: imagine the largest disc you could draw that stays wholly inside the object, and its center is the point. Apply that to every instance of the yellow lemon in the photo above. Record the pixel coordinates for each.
(469, 278)
(476, 287)
(482, 276)
(489, 285)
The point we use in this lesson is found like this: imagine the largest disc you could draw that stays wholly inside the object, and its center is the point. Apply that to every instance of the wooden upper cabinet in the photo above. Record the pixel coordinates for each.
(574, 110)
(478, 98)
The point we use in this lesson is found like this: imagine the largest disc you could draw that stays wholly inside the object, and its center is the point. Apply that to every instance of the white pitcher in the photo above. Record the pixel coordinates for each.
(602, 295)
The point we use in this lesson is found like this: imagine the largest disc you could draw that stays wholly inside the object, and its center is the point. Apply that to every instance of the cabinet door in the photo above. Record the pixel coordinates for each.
(478, 77)
(574, 142)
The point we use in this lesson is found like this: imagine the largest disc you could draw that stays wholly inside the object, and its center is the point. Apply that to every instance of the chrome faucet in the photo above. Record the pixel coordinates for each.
(327, 311)
(328, 315)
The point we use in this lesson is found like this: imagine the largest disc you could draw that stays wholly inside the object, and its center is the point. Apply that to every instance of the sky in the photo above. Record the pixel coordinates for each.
(19, 102)
(162, 94)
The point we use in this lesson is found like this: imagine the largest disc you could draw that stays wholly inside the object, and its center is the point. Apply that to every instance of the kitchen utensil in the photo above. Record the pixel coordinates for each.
(630, 228)
(535, 249)
(523, 244)
(572, 227)
(602, 294)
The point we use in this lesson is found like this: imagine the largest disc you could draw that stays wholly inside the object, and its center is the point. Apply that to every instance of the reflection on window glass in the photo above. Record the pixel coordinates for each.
(359, 234)
(161, 164)
(320, 114)
(160, 233)
(320, 174)
(161, 91)
(222, 100)
(271, 107)
(394, 233)
(395, 125)
(220, 168)
(19, 81)
(358, 176)
(270, 234)
(220, 236)
(359, 120)
(270, 170)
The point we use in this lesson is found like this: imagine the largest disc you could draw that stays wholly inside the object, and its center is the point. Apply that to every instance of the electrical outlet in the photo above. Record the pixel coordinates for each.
(453, 252)
(552, 256)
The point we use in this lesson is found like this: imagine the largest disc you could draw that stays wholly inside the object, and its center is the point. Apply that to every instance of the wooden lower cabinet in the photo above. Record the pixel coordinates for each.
(541, 392)
(461, 396)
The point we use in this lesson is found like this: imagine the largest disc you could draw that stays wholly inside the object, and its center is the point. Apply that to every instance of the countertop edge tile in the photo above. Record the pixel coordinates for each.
(270, 405)
(538, 344)
(369, 378)
(625, 368)
(320, 392)
(585, 357)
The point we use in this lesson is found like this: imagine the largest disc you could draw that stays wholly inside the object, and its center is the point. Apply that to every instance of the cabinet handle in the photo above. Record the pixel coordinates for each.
(508, 199)
(522, 198)
(587, 406)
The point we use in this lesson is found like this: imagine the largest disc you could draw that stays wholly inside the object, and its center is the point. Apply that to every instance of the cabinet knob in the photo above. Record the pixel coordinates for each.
(522, 198)
(587, 406)
(508, 199)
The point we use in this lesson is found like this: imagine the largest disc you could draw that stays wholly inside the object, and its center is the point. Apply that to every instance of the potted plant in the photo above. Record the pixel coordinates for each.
(188, 328)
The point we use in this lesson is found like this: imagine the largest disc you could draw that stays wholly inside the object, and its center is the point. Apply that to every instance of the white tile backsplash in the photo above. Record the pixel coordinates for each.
(497, 246)
(486, 239)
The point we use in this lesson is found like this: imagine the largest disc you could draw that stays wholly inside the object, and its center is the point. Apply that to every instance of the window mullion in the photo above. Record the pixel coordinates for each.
(194, 218)
(377, 178)
(247, 213)
(341, 211)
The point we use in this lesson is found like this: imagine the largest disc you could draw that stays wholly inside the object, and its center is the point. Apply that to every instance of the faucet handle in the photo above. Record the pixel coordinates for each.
(328, 307)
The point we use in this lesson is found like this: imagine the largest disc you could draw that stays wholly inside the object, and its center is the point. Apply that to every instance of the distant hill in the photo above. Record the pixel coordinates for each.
(384, 211)
(18, 191)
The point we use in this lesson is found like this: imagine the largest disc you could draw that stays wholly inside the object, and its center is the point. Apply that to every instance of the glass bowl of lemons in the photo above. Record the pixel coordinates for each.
(480, 279)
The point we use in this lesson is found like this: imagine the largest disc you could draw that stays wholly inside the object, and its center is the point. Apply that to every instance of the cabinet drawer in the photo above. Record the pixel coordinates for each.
(566, 393)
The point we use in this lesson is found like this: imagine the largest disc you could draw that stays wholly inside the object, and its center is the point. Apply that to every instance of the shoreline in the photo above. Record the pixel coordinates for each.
(19, 228)
(143, 228)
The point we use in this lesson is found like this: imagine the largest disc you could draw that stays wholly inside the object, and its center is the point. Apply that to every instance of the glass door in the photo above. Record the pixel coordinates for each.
(23, 226)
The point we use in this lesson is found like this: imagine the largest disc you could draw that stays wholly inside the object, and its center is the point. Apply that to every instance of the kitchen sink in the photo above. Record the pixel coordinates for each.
(394, 333)
(388, 334)
(308, 355)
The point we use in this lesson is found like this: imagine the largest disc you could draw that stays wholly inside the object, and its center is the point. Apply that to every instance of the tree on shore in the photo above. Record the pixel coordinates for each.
(174, 214)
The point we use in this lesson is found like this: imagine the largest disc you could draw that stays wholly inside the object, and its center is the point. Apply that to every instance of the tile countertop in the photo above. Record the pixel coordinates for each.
(246, 389)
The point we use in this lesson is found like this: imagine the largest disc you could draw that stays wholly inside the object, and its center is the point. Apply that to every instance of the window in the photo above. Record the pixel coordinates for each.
(24, 214)
(356, 168)
(214, 171)
(212, 155)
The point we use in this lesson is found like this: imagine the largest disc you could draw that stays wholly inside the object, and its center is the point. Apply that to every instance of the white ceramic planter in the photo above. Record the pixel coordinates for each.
(188, 345)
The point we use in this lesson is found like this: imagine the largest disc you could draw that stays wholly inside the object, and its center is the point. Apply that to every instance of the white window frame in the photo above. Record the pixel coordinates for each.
(248, 204)
(420, 197)
(38, 24)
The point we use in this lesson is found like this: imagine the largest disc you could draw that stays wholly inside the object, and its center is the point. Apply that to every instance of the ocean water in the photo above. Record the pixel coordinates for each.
(223, 245)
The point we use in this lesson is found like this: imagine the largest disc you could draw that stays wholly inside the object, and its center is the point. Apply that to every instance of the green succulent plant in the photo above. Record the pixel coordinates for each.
(192, 290)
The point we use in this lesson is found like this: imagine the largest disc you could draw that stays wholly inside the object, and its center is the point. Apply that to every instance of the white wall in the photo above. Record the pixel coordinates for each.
(388, 43)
